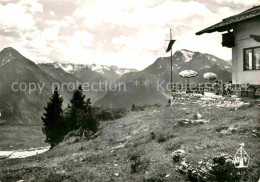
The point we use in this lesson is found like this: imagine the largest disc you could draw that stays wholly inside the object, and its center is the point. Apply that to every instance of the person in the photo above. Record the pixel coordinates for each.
(229, 89)
(169, 102)
(216, 87)
(133, 107)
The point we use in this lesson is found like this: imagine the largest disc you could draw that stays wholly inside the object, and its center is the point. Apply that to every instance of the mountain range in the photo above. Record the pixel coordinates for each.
(73, 73)
(18, 107)
(81, 71)
(159, 73)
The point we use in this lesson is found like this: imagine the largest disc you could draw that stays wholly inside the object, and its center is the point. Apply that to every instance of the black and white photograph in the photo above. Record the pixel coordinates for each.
(129, 90)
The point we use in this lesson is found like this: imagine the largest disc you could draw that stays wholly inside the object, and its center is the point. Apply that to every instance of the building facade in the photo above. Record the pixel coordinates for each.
(246, 53)
(243, 36)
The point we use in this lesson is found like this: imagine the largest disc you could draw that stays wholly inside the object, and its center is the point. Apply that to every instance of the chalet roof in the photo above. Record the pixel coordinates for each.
(228, 23)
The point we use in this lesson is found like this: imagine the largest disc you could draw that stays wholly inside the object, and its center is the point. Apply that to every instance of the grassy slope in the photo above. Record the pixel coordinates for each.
(110, 152)
(14, 137)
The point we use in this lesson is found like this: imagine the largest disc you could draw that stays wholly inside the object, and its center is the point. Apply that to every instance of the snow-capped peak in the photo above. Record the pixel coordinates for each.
(9, 57)
(187, 55)
(102, 69)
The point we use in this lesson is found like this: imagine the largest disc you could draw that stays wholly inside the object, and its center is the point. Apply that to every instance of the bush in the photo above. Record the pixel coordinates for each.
(153, 135)
(161, 138)
(221, 170)
(157, 172)
(146, 106)
(257, 132)
(138, 163)
(106, 114)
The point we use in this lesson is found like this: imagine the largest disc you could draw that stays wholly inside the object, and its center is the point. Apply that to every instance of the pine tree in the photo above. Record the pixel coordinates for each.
(76, 106)
(77, 99)
(89, 121)
(54, 128)
(79, 113)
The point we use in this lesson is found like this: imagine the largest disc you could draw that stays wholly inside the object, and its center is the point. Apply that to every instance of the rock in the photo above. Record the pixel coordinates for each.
(167, 175)
(242, 144)
(118, 147)
(177, 155)
(184, 163)
(61, 172)
(232, 129)
(201, 121)
(147, 175)
(238, 99)
(227, 102)
(181, 151)
(224, 132)
(116, 174)
(206, 99)
(184, 121)
(197, 116)
(222, 127)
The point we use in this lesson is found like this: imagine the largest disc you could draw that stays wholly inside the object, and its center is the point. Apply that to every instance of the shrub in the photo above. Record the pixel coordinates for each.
(138, 163)
(106, 114)
(257, 132)
(222, 169)
(133, 108)
(157, 173)
(161, 138)
(153, 135)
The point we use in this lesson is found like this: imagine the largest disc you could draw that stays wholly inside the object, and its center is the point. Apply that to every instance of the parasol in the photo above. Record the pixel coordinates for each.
(188, 73)
(210, 76)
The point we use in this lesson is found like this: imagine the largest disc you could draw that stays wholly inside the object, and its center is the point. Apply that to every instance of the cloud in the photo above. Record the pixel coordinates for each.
(52, 13)
(127, 33)
(135, 12)
(19, 15)
(65, 22)
(32, 6)
(240, 2)
(10, 33)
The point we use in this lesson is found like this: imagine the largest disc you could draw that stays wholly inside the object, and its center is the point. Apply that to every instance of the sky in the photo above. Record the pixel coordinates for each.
(126, 33)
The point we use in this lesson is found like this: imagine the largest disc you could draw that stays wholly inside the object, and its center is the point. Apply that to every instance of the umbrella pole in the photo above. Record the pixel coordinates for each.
(171, 72)
(188, 84)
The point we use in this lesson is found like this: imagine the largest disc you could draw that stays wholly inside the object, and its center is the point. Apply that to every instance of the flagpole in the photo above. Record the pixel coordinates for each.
(171, 59)
(169, 48)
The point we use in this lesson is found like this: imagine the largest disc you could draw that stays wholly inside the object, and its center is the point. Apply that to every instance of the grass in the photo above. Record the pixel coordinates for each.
(139, 146)
(14, 137)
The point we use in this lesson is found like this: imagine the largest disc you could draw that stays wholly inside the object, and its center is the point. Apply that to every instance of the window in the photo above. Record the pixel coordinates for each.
(252, 58)
(257, 58)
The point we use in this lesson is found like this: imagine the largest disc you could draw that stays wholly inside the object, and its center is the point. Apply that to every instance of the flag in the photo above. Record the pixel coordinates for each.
(170, 45)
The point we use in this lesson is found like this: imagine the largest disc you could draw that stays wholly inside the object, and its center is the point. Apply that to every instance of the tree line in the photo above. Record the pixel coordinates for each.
(78, 115)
